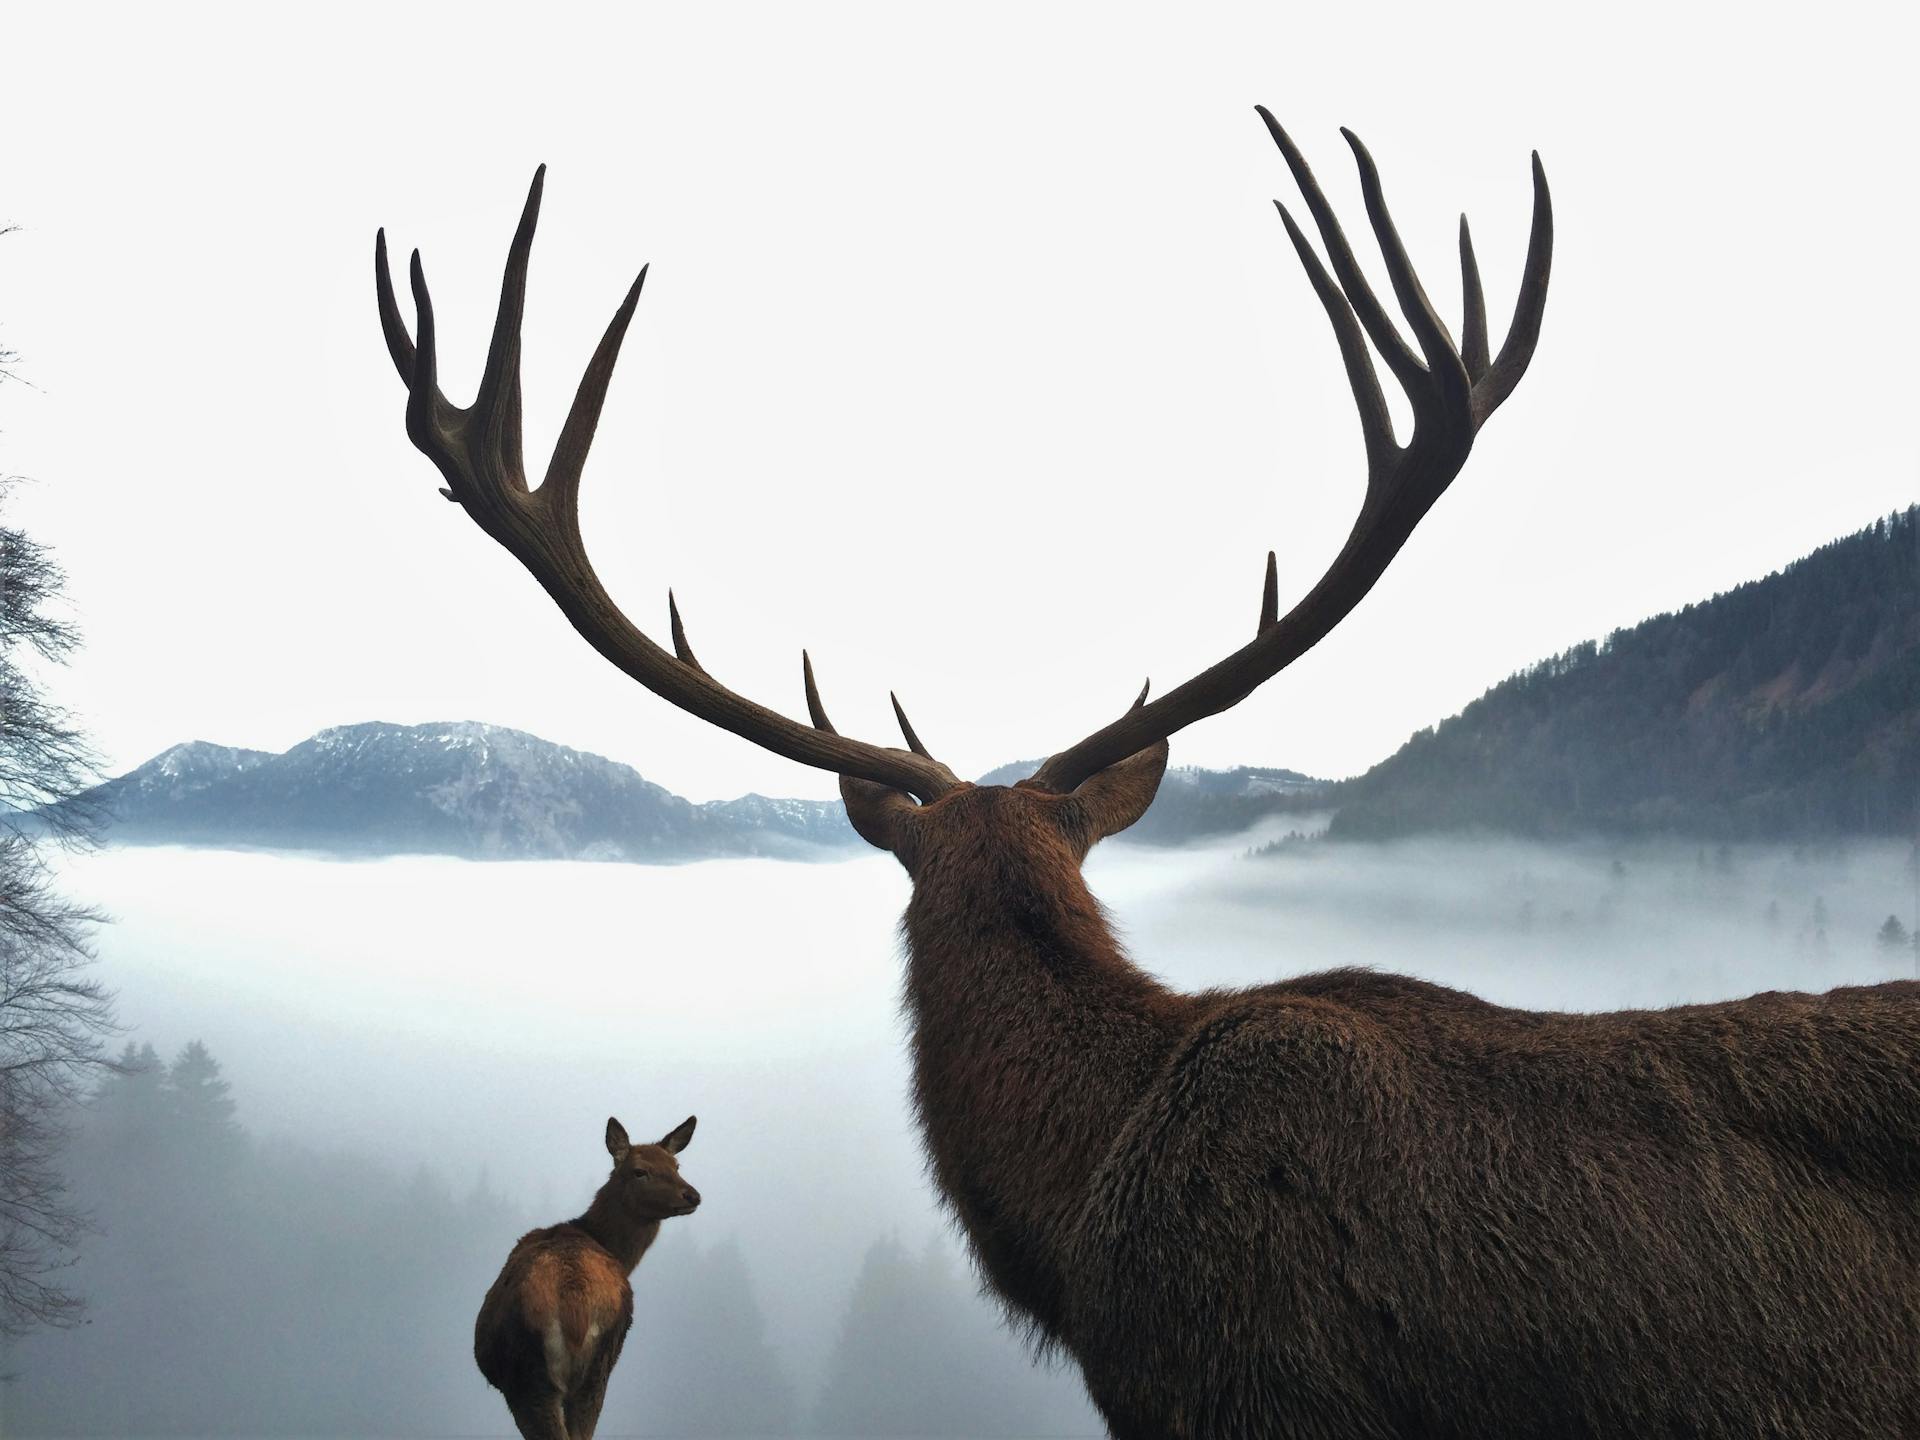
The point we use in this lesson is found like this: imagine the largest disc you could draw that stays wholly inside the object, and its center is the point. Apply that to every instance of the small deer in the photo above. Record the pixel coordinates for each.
(552, 1326)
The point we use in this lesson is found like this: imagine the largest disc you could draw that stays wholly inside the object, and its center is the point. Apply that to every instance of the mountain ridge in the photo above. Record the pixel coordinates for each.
(486, 792)
(1785, 708)
(460, 788)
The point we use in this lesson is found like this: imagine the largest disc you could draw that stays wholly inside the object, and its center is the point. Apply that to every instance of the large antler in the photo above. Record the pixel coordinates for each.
(478, 451)
(1453, 391)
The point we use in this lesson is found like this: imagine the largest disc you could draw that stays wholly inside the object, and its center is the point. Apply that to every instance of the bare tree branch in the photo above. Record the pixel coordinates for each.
(54, 1017)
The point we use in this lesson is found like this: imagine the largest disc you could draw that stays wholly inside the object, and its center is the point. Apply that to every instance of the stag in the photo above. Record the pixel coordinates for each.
(1349, 1204)
(553, 1322)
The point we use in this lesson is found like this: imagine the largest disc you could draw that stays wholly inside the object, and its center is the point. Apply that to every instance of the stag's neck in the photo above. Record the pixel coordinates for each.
(1034, 1036)
(621, 1235)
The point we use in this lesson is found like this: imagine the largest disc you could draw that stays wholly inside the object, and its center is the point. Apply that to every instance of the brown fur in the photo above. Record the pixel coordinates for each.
(1359, 1205)
(553, 1323)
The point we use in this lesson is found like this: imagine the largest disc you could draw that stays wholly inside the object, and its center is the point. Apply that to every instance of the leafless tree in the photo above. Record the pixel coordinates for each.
(54, 1016)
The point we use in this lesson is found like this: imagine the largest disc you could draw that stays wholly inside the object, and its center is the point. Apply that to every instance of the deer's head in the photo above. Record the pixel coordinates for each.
(646, 1183)
(1052, 826)
(904, 800)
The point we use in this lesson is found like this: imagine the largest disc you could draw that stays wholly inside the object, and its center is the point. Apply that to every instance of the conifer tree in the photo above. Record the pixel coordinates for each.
(201, 1102)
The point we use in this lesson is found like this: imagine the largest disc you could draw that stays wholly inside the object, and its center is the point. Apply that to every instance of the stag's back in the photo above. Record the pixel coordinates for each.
(1367, 1205)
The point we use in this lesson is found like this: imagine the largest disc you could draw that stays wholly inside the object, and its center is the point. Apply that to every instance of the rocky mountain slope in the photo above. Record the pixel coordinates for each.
(462, 788)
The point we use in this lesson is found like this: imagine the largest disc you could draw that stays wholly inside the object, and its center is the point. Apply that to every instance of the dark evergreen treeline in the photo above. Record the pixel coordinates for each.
(1787, 708)
(242, 1286)
(1195, 804)
(919, 1354)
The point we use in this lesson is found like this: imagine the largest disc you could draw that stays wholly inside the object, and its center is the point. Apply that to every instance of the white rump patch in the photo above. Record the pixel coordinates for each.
(563, 1364)
(559, 1362)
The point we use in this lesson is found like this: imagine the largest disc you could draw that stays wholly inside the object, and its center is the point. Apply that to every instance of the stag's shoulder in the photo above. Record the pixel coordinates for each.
(1341, 1020)
(1374, 991)
(1338, 1034)
(1254, 1120)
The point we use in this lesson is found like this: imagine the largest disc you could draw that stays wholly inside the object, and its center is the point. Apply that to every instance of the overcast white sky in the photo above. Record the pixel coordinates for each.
(973, 356)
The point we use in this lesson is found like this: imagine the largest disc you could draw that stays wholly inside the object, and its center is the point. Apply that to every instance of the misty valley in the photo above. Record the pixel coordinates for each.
(366, 1078)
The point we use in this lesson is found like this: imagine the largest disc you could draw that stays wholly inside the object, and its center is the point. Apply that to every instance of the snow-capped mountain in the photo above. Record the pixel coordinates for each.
(461, 788)
(488, 793)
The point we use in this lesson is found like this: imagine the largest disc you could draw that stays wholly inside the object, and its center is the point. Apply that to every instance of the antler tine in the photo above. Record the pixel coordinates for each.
(1473, 332)
(427, 408)
(1516, 351)
(561, 488)
(1444, 371)
(399, 342)
(906, 728)
(428, 411)
(1376, 423)
(1381, 330)
(681, 649)
(498, 403)
(815, 710)
(1451, 394)
(478, 451)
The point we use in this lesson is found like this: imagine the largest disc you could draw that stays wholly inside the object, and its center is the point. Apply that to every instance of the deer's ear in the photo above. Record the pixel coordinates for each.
(1108, 802)
(883, 816)
(675, 1140)
(617, 1143)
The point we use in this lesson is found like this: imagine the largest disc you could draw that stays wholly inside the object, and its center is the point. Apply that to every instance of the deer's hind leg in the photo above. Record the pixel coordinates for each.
(538, 1415)
(583, 1405)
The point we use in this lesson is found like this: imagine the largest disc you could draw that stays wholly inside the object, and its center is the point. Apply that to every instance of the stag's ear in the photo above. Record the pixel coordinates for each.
(884, 816)
(617, 1143)
(675, 1140)
(1108, 802)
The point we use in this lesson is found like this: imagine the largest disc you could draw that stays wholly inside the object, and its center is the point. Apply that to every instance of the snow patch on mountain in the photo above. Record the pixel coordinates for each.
(487, 792)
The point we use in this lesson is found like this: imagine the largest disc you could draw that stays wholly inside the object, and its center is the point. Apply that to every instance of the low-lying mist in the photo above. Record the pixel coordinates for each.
(446, 1039)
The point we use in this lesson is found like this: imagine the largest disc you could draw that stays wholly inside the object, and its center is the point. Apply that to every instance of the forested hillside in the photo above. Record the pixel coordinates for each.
(1786, 708)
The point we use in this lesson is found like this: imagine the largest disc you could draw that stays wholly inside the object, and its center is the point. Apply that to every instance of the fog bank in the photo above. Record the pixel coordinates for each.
(468, 1028)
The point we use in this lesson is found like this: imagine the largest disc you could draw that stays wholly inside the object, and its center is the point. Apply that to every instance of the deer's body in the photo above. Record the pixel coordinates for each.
(1356, 1204)
(553, 1323)
(1347, 1205)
